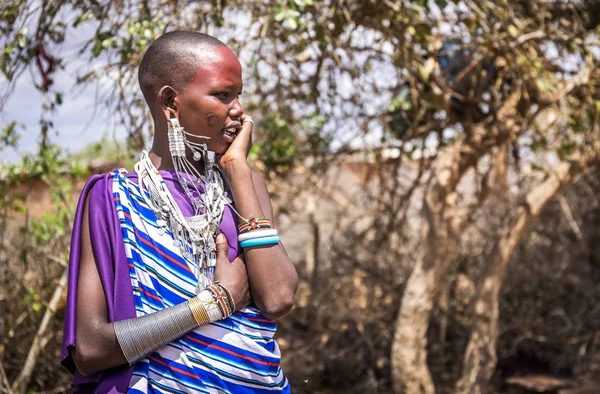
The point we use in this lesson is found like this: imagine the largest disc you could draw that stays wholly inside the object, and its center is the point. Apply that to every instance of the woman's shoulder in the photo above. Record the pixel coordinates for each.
(100, 186)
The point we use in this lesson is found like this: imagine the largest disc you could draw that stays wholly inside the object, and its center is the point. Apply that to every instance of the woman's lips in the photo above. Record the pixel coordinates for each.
(229, 135)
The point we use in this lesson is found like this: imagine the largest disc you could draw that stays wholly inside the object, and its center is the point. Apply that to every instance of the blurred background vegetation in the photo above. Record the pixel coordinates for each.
(433, 166)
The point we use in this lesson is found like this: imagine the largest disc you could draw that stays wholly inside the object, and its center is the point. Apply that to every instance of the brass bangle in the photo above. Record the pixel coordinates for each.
(199, 311)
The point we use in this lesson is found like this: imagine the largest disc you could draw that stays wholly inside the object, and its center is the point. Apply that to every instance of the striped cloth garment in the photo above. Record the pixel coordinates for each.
(235, 355)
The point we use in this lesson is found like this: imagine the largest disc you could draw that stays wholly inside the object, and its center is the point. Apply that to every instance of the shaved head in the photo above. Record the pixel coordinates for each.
(173, 59)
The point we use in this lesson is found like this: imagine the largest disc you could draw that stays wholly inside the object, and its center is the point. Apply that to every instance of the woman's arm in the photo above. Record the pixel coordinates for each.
(96, 344)
(271, 273)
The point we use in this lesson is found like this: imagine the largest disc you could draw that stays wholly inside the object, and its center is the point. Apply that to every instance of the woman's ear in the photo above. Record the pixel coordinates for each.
(169, 102)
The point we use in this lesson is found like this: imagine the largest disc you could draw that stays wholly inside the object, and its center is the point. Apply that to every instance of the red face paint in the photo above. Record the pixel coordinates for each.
(210, 103)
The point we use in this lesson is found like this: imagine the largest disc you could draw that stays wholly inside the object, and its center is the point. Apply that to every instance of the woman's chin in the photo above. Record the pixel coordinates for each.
(220, 148)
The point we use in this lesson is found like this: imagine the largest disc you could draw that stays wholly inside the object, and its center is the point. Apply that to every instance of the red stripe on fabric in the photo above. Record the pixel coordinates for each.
(186, 373)
(149, 294)
(163, 254)
(210, 345)
(259, 320)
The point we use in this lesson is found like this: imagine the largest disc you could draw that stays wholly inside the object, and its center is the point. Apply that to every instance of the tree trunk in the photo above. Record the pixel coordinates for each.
(440, 244)
(312, 258)
(409, 347)
(480, 356)
(409, 356)
(441, 235)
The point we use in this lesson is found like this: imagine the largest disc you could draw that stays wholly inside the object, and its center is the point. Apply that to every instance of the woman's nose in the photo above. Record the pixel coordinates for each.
(236, 109)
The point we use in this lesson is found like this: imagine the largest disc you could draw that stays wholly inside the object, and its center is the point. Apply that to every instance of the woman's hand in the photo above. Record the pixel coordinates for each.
(235, 156)
(232, 275)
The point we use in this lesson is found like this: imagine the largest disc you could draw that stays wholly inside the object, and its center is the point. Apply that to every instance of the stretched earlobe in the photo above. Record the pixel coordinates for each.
(167, 97)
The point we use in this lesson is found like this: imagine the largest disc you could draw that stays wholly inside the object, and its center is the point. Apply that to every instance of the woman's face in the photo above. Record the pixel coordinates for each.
(210, 105)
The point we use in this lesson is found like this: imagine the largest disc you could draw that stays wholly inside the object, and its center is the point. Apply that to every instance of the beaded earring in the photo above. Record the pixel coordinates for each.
(177, 144)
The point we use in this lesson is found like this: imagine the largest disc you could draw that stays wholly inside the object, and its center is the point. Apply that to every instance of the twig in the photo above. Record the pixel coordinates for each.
(564, 205)
(531, 36)
(20, 384)
(17, 323)
(57, 260)
(4, 379)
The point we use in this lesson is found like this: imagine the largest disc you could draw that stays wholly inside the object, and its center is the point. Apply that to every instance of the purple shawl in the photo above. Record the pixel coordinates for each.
(111, 261)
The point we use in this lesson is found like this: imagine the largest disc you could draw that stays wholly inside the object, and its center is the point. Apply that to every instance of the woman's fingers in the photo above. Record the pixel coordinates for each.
(231, 275)
(240, 147)
(243, 139)
(247, 126)
(222, 248)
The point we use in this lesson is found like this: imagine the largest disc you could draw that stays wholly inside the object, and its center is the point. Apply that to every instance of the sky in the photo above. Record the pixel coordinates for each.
(76, 124)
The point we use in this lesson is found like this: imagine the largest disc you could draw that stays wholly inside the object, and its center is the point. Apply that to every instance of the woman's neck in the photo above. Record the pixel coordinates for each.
(160, 154)
(161, 157)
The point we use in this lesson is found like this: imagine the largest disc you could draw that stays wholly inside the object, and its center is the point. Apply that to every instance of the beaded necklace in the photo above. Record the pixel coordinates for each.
(194, 235)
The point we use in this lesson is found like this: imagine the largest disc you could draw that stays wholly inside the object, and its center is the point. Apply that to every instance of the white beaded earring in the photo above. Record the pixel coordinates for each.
(177, 144)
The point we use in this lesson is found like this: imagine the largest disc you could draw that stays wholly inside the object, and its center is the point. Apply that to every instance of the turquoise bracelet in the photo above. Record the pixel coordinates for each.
(257, 234)
(260, 241)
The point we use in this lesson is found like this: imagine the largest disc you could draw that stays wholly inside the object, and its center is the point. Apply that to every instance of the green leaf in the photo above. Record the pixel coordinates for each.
(542, 85)
(107, 42)
(280, 16)
(22, 40)
(537, 168)
(292, 23)
(97, 49)
(424, 73)
(566, 149)
(10, 136)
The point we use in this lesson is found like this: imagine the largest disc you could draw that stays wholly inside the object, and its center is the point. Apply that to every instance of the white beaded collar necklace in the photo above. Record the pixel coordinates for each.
(194, 235)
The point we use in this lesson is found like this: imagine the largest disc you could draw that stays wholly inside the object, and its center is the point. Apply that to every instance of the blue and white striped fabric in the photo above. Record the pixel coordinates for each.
(235, 355)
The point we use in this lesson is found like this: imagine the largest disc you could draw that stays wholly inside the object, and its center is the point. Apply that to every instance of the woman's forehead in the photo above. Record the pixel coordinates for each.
(219, 66)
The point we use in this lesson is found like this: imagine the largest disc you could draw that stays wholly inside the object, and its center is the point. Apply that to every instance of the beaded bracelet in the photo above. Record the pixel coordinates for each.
(259, 226)
(230, 299)
(210, 303)
(138, 337)
(220, 301)
(252, 220)
(253, 224)
(257, 234)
